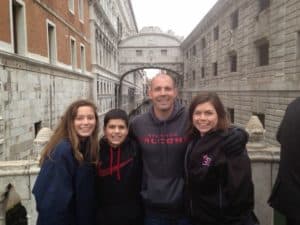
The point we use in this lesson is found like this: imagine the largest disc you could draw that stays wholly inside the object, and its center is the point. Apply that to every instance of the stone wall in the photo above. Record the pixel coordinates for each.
(33, 95)
(251, 88)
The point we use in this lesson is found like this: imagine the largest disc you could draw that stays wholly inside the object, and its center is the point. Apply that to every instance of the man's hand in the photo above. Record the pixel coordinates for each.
(235, 141)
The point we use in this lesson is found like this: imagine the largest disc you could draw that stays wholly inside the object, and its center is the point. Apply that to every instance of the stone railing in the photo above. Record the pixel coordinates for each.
(21, 174)
(264, 162)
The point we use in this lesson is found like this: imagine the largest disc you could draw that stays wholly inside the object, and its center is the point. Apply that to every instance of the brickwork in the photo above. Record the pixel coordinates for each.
(4, 21)
(67, 25)
(252, 88)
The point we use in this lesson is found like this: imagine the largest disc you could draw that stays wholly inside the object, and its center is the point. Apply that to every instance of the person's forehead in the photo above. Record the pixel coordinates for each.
(162, 80)
(117, 121)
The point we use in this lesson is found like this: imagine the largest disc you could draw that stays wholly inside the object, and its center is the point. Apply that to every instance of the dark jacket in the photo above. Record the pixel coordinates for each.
(64, 190)
(163, 145)
(219, 185)
(119, 183)
(285, 195)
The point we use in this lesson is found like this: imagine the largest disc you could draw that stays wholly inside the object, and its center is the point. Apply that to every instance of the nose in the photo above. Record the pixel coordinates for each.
(202, 116)
(85, 120)
(162, 91)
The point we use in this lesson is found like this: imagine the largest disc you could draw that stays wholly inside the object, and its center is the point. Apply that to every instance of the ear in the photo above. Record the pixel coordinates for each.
(176, 91)
(149, 92)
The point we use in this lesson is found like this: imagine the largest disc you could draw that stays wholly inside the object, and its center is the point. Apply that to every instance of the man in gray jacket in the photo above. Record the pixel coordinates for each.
(161, 133)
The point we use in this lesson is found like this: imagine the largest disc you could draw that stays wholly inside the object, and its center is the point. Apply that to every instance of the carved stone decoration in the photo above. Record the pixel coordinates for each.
(40, 141)
(256, 131)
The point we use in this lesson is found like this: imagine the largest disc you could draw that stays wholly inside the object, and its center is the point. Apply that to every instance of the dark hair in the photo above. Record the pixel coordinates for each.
(213, 98)
(66, 129)
(116, 114)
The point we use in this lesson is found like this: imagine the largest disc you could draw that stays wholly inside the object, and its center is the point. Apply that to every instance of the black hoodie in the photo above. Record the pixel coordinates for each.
(219, 184)
(118, 184)
(163, 145)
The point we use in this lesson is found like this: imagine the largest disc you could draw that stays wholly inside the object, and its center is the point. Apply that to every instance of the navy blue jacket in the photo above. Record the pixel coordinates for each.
(64, 190)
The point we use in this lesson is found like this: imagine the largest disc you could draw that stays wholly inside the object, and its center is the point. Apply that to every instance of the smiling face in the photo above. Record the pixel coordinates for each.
(116, 131)
(85, 121)
(205, 118)
(162, 93)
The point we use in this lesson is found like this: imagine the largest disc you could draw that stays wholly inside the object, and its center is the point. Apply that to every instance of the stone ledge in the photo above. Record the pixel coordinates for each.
(267, 154)
(20, 167)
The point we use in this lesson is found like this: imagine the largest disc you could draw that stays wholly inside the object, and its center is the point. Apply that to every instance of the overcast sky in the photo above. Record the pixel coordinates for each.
(181, 16)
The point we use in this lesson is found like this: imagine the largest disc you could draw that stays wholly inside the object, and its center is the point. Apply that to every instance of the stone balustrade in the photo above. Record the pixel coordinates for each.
(264, 163)
(21, 174)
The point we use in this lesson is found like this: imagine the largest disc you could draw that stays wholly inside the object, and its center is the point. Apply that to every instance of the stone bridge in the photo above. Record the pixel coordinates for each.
(150, 49)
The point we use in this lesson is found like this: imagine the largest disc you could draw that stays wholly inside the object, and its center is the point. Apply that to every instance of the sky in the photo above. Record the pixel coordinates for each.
(180, 16)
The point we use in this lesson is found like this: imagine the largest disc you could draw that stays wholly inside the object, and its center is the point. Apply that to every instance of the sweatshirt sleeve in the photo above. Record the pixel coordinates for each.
(54, 188)
(238, 185)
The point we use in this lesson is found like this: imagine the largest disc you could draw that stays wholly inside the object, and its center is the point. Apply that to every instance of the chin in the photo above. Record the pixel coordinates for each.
(84, 135)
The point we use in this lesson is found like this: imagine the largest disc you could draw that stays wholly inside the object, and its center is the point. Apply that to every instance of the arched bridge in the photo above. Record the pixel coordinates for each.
(150, 50)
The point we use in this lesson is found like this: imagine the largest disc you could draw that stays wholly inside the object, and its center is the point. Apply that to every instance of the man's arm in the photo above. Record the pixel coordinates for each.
(235, 141)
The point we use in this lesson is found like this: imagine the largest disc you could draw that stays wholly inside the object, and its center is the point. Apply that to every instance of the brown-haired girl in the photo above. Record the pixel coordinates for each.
(219, 183)
(64, 189)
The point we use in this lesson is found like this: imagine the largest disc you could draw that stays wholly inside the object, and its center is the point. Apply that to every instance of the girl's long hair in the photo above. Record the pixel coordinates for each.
(66, 130)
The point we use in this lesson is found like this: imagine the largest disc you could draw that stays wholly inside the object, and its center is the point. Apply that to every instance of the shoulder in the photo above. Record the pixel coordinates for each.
(139, 118)
(62, 150)
(138, 123)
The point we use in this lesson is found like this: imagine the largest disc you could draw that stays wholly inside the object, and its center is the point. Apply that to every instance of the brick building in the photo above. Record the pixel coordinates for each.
(249, 52)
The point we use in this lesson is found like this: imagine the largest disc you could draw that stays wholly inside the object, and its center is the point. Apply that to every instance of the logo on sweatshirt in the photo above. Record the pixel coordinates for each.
(206, 160)
(168, 139)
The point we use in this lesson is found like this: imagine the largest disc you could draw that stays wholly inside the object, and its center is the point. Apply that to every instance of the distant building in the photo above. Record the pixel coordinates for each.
(249, 52)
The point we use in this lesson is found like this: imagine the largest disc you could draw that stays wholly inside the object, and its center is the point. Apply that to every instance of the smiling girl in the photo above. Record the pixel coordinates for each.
(218, 177)
(64, 189)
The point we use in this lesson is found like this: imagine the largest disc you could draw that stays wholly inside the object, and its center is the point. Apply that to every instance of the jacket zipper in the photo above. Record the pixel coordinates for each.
(220, 200)
(187, 178)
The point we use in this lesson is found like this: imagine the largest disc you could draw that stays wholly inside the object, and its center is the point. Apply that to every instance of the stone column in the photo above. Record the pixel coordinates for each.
(264, 162)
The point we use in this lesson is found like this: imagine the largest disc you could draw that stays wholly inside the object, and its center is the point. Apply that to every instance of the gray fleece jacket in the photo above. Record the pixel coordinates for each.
(163, 145)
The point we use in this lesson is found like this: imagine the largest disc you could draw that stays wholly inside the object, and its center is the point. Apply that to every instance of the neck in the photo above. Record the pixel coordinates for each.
(163, 115)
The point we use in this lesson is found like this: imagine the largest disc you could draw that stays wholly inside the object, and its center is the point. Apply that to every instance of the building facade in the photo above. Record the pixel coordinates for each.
(249, 52)
(110, 22)
(53, 52)
(45, 64)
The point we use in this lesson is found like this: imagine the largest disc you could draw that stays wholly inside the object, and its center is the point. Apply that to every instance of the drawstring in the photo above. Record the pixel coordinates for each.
(111, 159)
(118, 164)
